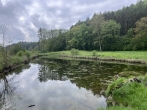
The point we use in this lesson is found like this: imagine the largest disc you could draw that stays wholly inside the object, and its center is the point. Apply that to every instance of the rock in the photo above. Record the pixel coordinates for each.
(134, 80)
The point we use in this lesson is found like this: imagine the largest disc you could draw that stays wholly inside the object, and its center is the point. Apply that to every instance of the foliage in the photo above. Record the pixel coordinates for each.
(110, 31)
(140, 40)
(74, 51)
(93, 53)
(114, 85)
(13, 50)
(79, 37)
(5, 56)
(132, 94)
(20, 53)
(24, 53)
(129, 94)
(27, 53)
(51, 40)
(16, 60)
(97, 22)
(128, 16)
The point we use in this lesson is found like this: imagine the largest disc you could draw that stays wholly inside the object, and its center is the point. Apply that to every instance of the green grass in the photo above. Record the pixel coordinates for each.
(135, 55)
(118, 108)
(132, 95)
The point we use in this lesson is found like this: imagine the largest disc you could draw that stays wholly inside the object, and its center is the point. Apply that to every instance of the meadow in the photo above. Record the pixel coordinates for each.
(134, 55)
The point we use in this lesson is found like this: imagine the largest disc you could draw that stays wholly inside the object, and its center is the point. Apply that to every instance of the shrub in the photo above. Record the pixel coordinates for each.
(15, 60)
(27, 54)
(20, 53)
(94, 53)
(74, 51)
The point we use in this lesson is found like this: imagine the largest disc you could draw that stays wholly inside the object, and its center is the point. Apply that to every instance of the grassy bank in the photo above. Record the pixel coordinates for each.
(116, 55)
(128, 94)
(16, 60)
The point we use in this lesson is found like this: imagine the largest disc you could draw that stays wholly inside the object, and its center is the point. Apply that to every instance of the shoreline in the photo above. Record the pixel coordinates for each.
(95, 58)
(14, 66)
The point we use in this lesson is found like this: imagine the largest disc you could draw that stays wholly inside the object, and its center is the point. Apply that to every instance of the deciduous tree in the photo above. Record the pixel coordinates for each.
(96, 23)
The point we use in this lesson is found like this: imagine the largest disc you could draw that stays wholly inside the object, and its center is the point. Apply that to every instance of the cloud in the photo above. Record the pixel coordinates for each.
(27, 16)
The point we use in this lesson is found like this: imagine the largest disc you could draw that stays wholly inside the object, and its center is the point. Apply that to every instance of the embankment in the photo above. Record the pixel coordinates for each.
(14, 65)
(106, 59)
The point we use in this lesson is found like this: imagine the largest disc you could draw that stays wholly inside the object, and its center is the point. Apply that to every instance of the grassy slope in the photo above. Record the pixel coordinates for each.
(137, 55)
(16, 60)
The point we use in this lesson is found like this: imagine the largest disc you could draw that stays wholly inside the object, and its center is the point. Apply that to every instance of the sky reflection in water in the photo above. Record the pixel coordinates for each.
(53, 94)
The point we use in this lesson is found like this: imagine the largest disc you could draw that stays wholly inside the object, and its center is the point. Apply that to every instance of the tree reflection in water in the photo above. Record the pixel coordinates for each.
(45, 74)
(7, 89)
(92, 75)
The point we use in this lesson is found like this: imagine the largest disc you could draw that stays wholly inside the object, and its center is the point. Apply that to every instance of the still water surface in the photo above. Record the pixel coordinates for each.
(60, 84)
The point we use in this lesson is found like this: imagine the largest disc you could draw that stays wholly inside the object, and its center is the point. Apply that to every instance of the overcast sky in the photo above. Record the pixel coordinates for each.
(26, 16)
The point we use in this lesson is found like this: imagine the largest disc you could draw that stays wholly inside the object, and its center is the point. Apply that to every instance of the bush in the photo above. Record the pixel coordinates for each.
(15, 60)
(74, 51)
(94, 53)
(20, 53)
(27, 54)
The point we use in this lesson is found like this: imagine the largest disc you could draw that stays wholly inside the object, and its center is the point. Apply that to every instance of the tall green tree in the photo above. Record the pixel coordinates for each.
(140, 40)
(110, 31)
(96, 22)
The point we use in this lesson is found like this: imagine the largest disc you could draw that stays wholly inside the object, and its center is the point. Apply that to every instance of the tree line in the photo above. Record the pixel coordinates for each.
(124, 29)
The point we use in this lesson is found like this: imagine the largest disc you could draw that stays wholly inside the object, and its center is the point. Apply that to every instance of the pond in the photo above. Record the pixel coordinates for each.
(51, 84)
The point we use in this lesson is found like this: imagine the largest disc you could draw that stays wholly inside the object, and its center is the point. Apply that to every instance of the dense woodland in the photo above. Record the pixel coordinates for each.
(124, 29)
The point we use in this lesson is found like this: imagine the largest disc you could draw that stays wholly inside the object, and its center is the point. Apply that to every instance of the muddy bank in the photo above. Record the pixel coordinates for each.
(107, 59)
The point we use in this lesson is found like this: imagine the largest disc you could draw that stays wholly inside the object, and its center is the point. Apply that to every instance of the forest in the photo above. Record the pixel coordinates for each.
(121, 30)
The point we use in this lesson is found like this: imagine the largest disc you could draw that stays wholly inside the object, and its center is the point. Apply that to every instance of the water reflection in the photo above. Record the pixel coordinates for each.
(46, 74)
(93, 76)
(54, 94)
(7, 90)
(60, 84)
